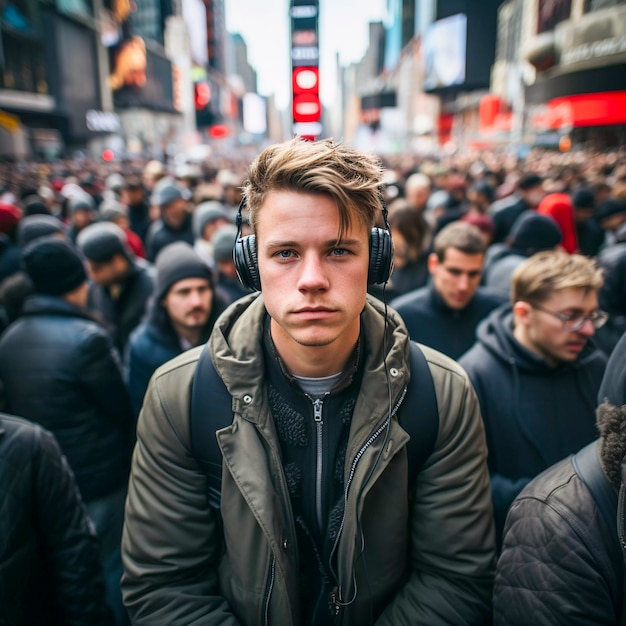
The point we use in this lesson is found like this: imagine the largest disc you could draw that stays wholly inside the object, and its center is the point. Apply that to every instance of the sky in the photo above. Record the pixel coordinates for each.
(264, 25)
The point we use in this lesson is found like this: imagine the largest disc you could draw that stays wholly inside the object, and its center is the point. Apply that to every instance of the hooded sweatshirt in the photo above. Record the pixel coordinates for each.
(534, 414)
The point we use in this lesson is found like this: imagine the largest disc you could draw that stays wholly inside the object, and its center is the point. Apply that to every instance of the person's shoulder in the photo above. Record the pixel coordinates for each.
(410, 300)
(15, 430)
(489, 298)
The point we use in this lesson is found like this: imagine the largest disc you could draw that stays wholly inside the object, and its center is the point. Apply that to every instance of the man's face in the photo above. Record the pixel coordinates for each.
(131, 195)
(417, 196)
(543, 334)
(175, 212)
(188, 303)
(314, 287)
(108, 273)
(533, 196)
(456, 277)
(81, 218)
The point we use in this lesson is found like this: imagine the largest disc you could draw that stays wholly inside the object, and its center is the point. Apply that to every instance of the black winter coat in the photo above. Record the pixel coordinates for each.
(534, 414)
(58, 368)
(50, 572)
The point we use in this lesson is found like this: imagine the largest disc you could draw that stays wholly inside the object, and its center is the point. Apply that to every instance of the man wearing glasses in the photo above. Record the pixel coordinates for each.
(536, 372)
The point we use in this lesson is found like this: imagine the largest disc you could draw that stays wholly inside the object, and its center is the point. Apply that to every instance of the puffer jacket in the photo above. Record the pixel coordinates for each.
(49, 564)
(58, 368)
(556, 564)
(429, 558)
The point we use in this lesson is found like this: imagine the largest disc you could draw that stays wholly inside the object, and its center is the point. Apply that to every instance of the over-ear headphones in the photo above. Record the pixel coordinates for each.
(247, 262)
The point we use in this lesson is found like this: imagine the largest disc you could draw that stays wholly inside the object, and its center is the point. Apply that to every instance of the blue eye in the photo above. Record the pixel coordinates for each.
(285, 254)
(339, 251)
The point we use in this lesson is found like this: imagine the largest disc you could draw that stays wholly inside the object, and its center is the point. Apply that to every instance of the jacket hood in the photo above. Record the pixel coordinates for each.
(234, 347)
(495, 333)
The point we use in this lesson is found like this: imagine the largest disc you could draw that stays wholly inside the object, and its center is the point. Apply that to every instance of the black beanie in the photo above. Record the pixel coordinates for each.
(54, 266)
(34, 227)
(611, 206)
(101, 241)
(533, 232)
(177, 262)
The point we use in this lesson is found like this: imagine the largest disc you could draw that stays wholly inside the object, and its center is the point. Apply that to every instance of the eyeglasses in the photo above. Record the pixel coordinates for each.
(576, 321)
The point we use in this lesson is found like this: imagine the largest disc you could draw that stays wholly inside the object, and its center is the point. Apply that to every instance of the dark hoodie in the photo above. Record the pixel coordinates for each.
(534, 414)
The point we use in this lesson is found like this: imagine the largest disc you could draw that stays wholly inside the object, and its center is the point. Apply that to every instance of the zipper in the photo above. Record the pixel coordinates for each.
(319, 425)
(337, 595)
(270, 587)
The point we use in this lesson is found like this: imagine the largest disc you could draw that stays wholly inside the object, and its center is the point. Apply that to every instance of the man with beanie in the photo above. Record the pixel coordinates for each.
(183, 310)
(227, 279)
(536, 372)
(58, 368)
(133, 196)
(529, 194)
(530, 234)
(562, 560)
(117, 213)
(208, 218)
(588, 232)
(174, 223)
(121, 283)
(82, 212)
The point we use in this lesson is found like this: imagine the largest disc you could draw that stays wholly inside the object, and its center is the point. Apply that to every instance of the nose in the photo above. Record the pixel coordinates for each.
(312, 273)
(463, 282)
(588, 329)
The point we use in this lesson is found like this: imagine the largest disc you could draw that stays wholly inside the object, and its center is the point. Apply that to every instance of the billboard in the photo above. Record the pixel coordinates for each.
(445, 45)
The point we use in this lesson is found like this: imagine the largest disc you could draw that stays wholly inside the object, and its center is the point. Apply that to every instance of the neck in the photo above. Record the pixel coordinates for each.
(523, 339)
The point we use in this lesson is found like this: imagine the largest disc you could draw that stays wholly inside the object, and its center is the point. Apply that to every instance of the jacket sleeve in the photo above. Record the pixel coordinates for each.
(172, 540)
(452, 535)
(101, 374)
(547, 573)
(68, 538)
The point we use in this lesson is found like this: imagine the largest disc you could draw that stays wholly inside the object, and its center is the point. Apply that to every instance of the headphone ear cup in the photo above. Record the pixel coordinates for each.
(246, 262)
(381, 256)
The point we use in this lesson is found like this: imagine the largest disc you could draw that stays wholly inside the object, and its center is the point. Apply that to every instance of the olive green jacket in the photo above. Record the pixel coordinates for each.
(427, 559)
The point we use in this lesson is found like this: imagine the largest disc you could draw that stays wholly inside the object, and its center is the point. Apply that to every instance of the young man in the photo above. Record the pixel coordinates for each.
(444, 314)
(181, 316)
(316, 524)
(536, 373)
(562, 561)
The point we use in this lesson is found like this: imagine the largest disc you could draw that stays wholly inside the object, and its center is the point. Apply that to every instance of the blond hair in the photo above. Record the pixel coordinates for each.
(552, 270)
(351, 178)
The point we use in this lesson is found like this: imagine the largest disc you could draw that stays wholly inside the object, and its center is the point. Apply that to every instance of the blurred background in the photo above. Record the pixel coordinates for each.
(181, 80)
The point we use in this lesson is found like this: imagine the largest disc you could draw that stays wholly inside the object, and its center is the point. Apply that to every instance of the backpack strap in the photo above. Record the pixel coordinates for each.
(211, 410)
(419, 414)
(587, 466)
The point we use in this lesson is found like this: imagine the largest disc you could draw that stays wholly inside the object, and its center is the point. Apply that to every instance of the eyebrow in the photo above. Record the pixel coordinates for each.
(330, 243)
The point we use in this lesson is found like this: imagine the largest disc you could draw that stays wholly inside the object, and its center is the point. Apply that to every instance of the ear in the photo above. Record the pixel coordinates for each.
(521, 312)
(433, 262)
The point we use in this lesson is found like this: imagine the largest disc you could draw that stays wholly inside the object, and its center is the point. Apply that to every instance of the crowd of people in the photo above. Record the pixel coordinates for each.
(509, 273)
